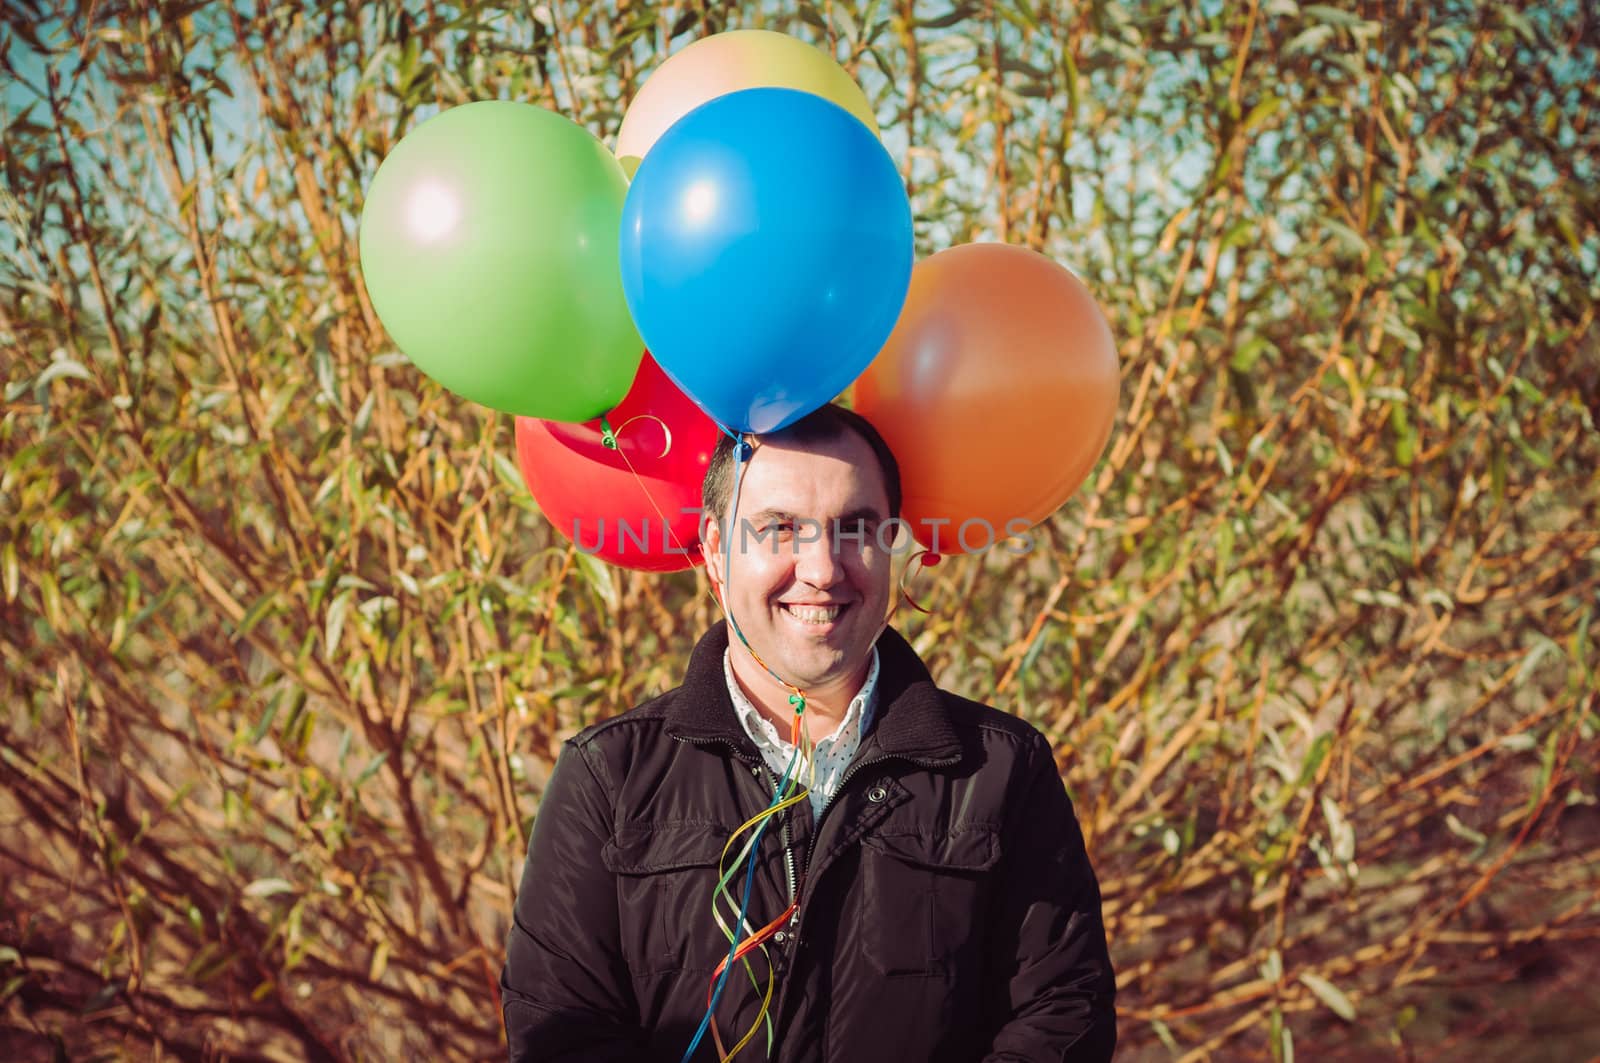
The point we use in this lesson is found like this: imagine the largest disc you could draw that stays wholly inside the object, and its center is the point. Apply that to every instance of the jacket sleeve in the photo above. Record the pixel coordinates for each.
(565, 989)
(1052, 990)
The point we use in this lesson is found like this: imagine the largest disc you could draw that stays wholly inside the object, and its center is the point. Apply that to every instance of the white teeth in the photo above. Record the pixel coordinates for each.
(814, 614)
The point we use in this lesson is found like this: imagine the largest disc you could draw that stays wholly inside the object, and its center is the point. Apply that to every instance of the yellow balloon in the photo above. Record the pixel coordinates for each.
(729, 62)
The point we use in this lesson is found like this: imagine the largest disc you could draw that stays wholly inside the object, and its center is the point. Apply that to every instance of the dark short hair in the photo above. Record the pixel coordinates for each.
(822, 425)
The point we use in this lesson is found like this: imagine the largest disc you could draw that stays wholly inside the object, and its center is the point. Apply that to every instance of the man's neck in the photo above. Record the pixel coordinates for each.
(825, 706)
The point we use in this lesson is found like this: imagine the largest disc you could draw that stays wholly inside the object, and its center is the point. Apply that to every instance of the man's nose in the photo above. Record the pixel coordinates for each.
(817, 559)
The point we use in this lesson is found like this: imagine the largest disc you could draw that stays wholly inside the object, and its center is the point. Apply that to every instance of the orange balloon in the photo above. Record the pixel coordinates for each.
(997, 391)
(727, 62)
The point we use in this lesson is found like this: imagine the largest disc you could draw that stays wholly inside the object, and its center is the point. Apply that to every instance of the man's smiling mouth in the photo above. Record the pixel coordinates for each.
(814, 614)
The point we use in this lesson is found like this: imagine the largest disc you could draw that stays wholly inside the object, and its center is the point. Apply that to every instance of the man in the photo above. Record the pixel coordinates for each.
(943, 906)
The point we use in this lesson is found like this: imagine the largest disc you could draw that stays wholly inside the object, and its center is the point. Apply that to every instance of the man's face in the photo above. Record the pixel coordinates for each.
(809, 579)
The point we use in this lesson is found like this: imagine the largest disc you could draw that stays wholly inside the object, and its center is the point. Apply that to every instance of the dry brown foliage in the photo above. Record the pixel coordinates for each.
(287, 650)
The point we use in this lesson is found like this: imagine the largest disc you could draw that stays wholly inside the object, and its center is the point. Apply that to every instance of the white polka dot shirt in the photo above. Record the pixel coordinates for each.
(832, 754)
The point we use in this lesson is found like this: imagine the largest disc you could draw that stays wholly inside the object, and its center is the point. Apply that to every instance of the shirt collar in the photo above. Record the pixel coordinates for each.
(763, 733)
(912, 719)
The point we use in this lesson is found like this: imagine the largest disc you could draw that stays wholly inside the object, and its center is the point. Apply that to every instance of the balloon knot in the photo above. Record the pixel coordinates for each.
(799, 703)
(608, 436)
(742, 449)
(931, 559)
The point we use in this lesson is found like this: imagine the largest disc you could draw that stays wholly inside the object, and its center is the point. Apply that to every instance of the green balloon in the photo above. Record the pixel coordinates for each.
(489, 246)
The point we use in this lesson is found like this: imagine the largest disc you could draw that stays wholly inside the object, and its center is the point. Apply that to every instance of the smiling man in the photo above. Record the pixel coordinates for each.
(931, 893)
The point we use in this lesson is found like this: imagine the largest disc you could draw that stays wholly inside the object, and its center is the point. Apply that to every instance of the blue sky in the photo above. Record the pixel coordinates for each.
(236, 120)
(1156, 166)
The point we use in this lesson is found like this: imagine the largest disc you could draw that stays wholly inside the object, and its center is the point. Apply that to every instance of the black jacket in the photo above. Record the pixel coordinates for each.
(948, 910)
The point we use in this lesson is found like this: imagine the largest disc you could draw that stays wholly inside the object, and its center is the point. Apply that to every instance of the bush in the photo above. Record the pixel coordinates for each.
(289, 651)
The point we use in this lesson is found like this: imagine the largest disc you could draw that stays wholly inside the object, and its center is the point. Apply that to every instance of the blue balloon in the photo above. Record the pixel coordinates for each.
(766, 253)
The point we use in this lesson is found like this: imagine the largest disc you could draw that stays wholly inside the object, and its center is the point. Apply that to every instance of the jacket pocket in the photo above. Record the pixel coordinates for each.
(929, 897)
(666, 875)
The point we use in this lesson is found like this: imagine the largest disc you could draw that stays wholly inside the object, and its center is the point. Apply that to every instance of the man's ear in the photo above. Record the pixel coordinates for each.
(711, 549)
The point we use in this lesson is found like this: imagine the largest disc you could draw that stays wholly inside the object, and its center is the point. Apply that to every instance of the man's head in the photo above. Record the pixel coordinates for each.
(806, 555)
(822, 425)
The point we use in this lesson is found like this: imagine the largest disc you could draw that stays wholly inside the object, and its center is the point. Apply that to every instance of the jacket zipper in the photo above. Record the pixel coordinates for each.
(759, 765)
(811, 852)
(816, 828)
(788, 846)
(759, 768)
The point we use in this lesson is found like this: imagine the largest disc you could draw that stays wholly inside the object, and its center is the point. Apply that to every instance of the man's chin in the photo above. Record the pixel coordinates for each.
(815, 671)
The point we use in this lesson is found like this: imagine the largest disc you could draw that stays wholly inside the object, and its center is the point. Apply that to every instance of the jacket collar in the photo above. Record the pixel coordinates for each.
(911, 722)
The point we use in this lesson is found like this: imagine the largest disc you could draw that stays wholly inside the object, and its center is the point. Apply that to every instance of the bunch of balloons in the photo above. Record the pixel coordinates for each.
(742, 259)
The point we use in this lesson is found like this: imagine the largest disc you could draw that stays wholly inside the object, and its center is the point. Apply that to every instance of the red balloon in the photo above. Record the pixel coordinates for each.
(636, 504)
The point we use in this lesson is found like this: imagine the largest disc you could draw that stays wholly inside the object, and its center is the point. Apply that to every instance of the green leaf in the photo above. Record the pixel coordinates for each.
(265, 723)
(849, 32)
(1330, 995)
(1164, 1034)
(50, 596)
(510, 475)
(1405, 444)
(380, 962)
(1402, 332)
(1524, 387)
(364, 414)
(1541, 646)
(1547, 766)
(322, 363)
(598, 575)
(334, 623)
(1521, 742)
(1272, 966)
(1225, 540)
(1351, 241)
(64, 367)
(1315, 756)
(1309, 41)
(1464, 832)
(1581, 647)
(10, 570)
(1249, 352)
(1332, 16)
(1279, 1038)
(1533, 453)
(268, 887)
(957, 13)
(1341, 835)
(371, 769)
(254, 615)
